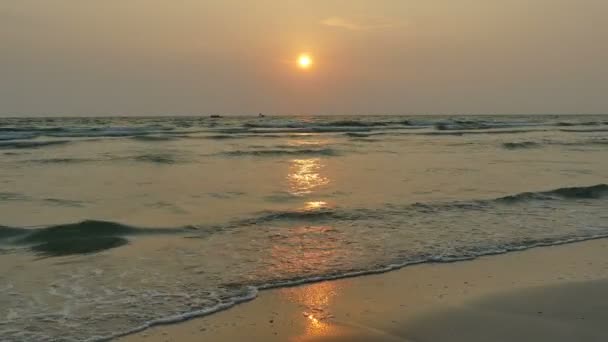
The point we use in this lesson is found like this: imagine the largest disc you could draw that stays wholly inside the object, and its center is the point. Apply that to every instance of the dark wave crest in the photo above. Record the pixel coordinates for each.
(520, 145)
(586, 192)
(158, 158)
(570, 124)
(475, 125)
(478, 132)
(302, 215)
(153, 138)
(357, 135)
(84, 237)
(9, 232)
(31, 144)
(596, 130)
(364, 123)
(84, 229)
(60, 160)
(30, 128)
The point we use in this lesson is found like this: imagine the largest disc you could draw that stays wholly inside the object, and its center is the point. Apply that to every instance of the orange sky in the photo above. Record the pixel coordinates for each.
(152, 57)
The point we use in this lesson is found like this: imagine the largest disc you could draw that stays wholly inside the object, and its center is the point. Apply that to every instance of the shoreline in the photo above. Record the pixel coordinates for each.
(335, 309)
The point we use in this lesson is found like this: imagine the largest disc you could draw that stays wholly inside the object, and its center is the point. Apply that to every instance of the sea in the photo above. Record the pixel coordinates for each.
(111, 225)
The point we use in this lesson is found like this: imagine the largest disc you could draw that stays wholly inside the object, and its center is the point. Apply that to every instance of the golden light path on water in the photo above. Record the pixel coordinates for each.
(316, 301)
(305, 176)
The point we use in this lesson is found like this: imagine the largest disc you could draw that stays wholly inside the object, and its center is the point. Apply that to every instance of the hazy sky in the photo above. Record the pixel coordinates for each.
(151, 57)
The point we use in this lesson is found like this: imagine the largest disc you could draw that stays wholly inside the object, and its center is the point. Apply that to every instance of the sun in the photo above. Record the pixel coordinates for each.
(304, 61)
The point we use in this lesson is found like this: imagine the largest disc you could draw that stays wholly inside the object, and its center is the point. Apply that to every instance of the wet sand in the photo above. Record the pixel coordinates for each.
(545, 294)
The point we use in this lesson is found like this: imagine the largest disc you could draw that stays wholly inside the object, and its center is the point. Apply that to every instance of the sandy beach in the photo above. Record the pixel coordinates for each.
(543, 294)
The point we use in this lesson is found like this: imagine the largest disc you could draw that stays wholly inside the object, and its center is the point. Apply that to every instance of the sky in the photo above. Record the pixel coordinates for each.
(200, 57)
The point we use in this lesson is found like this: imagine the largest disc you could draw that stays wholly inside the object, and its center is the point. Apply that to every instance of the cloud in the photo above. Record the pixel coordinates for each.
(359, 24)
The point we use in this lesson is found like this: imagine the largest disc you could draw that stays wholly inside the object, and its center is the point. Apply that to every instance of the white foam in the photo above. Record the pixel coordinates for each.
(250, 295)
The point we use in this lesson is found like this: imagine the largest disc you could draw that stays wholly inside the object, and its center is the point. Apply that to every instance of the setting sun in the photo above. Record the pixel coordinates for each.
(304, 61)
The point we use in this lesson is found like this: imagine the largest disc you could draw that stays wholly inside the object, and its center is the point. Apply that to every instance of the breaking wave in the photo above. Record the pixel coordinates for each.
(84, 237)
(586, 192)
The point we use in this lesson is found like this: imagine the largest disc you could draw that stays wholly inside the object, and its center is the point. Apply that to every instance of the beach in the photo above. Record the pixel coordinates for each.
(544, 294)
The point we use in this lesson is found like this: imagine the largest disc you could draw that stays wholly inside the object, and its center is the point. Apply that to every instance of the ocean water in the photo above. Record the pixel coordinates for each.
(112, 225)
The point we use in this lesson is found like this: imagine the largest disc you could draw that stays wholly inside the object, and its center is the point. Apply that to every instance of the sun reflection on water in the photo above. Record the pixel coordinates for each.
(316, 301)
(305, 176)
(308, 249)
(316, 205)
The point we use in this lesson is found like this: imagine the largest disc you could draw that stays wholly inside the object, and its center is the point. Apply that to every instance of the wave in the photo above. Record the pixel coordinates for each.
(29, 132)
(533, 144)
(478, 125)
(314, 129)
(96, 228)
(302, 215)
(164, 129)
(159, 158)
(12, 196)
(60, 160)
(84, 229)
(357, 135)
(32, 129)
(84, 237)
(244, 136)
(9, 232)
(63, 202)
(362, 122)
(108, 132)
(342, 214)
(31, 144)
(586, 192)
(520, 145)
(17, 136)
(93, 229)
(456, 125)
(222, 137)
(584, 130)
(503, 131)
(396, 122)
(588, 123)
(153, 138)
(282, 152)
(365, 140)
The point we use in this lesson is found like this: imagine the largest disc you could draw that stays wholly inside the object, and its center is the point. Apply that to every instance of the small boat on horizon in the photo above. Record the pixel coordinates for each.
(215, 116)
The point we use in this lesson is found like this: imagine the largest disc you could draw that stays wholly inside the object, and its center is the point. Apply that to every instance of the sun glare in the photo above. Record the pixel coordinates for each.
(304, 61)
